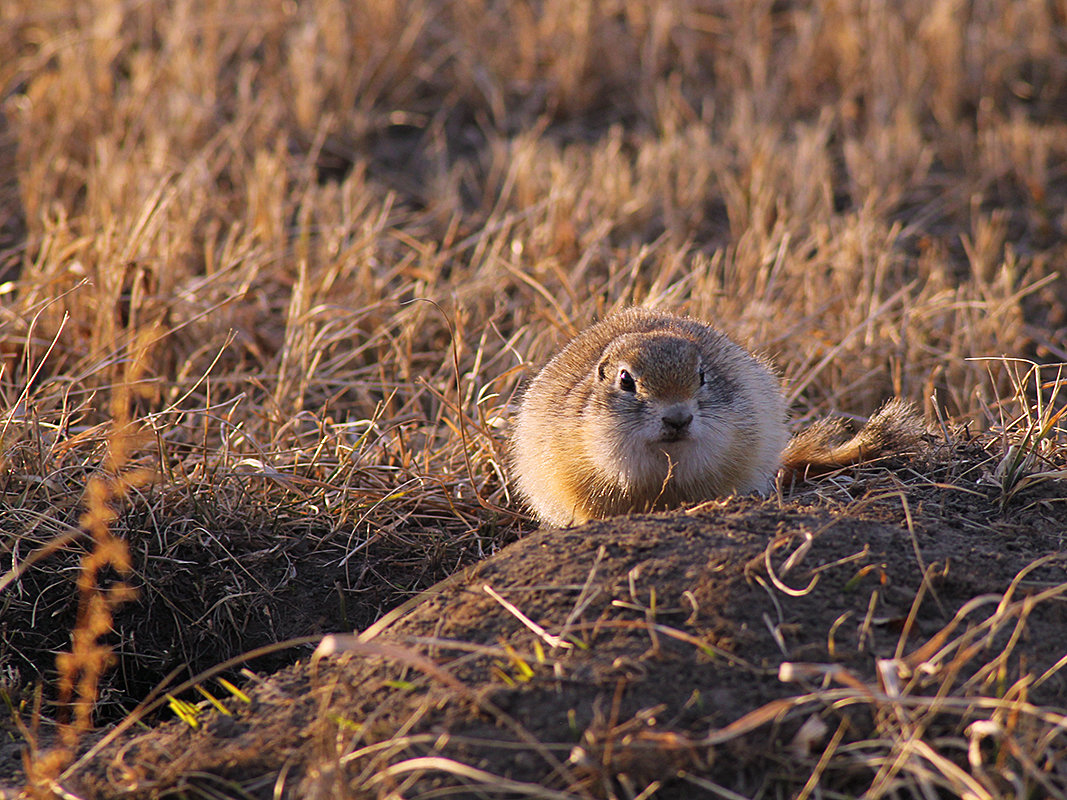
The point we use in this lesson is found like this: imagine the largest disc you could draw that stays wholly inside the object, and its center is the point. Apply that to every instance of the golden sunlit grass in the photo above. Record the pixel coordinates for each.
(80, 670)
(223, 222)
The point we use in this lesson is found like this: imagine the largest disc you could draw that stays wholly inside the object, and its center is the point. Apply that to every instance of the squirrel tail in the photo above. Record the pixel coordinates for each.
(824, 446)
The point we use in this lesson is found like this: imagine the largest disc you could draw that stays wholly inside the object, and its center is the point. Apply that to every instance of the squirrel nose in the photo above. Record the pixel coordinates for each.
(678, 418)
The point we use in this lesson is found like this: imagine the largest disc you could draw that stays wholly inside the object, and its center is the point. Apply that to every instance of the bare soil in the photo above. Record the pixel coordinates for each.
(673, 628)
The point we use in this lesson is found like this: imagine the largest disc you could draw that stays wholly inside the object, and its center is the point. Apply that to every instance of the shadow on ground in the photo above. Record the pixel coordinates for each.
(747, 644)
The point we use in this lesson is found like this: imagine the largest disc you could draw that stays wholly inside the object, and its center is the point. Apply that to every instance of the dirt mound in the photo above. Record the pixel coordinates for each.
(752, 644)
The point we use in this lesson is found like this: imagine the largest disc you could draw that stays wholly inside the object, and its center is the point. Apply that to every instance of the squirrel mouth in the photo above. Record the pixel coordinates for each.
(669, 437)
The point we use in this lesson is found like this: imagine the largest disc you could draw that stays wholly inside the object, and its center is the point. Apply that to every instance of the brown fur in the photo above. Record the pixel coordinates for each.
(585, 447)
(825, 446)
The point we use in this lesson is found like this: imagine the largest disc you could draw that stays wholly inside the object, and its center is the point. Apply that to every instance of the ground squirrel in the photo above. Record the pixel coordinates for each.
(647, 410)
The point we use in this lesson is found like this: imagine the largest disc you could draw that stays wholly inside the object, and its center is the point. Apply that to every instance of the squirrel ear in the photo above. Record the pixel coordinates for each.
(602, 369)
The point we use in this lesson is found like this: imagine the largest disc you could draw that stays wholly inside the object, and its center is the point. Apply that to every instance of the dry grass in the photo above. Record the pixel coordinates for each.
(331, 235)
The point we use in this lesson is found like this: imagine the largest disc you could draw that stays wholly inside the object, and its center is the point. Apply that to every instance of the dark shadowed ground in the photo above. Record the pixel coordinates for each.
(668, 667)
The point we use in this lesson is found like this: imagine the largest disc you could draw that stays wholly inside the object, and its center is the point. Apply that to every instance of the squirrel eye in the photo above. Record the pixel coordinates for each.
(702, 380)
(626, 381)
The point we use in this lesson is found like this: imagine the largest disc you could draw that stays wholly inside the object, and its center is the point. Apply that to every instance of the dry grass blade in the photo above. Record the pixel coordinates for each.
(80, 670)
(482, 780)
(1032, 436)
(333, 644)
(550, 640)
